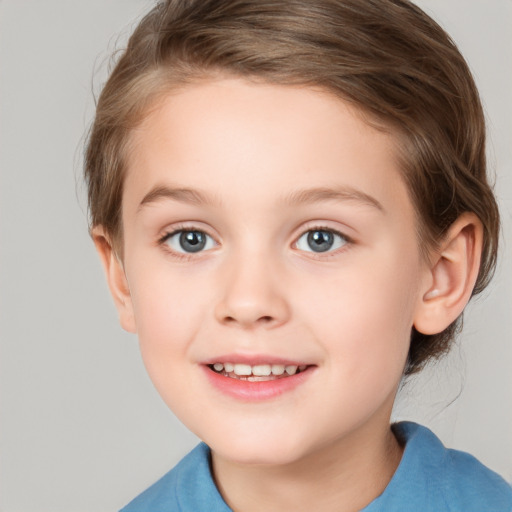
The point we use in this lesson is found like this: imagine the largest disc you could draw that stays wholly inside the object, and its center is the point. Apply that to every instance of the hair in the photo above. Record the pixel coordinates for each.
(386, 57)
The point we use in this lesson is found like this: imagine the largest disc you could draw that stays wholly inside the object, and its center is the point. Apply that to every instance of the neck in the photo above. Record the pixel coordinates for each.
(343, 477)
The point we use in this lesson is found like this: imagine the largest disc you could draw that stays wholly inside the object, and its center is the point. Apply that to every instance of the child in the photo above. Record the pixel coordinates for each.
(290, 202)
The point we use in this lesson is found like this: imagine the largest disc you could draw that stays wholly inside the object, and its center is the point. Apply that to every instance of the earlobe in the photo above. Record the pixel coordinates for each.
(116, 279)
(452, 276)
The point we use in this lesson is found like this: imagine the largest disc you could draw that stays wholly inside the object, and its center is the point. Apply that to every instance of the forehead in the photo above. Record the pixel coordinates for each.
(243, 141)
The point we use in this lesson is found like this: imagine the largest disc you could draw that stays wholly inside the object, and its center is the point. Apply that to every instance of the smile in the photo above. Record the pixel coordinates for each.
(257, 382)
(258, 372)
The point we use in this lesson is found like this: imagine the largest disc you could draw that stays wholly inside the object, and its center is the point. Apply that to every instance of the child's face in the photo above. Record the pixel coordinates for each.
(301, 250)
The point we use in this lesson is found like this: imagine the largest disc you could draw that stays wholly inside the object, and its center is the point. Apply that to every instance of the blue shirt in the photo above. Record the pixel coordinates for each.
(430, 478)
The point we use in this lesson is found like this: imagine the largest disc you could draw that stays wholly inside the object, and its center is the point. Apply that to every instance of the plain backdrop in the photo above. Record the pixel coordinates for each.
(82, 429)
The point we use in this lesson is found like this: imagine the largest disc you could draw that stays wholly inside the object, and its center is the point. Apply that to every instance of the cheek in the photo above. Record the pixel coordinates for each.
(364, 316)
(168, 308)
(167, 316)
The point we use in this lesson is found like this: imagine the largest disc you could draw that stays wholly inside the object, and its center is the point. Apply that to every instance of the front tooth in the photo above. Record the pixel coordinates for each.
(228, 367)
(291, 370)
(261, 370)
(242, 369)
(277, 369)
(218, 367)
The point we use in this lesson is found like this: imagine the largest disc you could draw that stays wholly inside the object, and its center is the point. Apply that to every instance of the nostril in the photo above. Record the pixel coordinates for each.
(265, 319)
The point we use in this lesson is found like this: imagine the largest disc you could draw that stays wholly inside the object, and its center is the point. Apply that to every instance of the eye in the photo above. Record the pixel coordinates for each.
(321, 240)
(189, 241)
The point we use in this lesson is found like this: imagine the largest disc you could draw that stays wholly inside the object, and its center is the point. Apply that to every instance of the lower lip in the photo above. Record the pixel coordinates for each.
(256, 391)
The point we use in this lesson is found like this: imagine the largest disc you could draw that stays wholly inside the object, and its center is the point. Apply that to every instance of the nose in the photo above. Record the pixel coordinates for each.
(252, 295)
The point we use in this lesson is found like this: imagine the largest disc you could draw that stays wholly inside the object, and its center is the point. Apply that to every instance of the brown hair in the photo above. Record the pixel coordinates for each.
(385, 56)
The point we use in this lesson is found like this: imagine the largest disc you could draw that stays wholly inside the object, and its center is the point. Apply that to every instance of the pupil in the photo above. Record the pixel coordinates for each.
(320, 241)
(192, 241)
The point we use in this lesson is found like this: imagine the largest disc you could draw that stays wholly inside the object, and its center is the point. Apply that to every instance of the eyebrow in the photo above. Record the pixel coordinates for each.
(298, 197)
(182, 194)
(313, 195)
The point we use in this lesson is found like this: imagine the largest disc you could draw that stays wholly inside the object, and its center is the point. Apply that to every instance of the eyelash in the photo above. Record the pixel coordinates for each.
(347, 241)
(185, 256)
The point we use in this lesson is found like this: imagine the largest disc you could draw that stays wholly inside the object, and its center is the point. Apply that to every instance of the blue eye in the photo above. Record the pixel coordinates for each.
(189, 241)
(321, 240)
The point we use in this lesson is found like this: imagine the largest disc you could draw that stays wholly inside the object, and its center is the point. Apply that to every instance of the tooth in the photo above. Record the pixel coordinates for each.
(257, 378)
(302, 368)
(291, 370)
(228, 367)
(278, 369)
(261, 370)
(242, 369)
(218, 367)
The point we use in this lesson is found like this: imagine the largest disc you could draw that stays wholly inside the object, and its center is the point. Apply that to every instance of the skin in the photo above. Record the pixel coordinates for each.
(259, 289)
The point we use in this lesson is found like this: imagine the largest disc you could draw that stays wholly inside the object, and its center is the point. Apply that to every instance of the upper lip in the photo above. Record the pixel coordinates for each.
(253, 359)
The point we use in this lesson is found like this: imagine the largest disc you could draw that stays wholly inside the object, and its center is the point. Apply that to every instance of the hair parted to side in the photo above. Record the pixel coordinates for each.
(387, 57)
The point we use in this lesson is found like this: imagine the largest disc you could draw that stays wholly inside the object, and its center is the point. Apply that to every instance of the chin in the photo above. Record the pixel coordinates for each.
(257, 449)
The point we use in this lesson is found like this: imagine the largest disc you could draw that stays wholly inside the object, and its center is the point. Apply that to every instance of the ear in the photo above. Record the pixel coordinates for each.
(451, 276)
(116, 278)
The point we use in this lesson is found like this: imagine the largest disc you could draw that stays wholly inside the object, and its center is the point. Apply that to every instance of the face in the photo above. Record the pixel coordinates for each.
(272, 265)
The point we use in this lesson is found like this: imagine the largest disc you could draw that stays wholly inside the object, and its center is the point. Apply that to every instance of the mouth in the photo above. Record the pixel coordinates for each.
(257, 372)
(249, 382)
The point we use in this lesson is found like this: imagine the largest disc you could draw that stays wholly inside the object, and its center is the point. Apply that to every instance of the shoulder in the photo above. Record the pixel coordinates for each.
(460, 478)
(188, 487)
(435, 478)
(470, 482)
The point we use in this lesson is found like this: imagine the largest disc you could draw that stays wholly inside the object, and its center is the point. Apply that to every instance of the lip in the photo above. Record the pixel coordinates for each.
(253, 359)
(247, 391)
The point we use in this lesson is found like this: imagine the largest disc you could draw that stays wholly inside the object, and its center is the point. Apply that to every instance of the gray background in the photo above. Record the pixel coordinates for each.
(82, 429)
